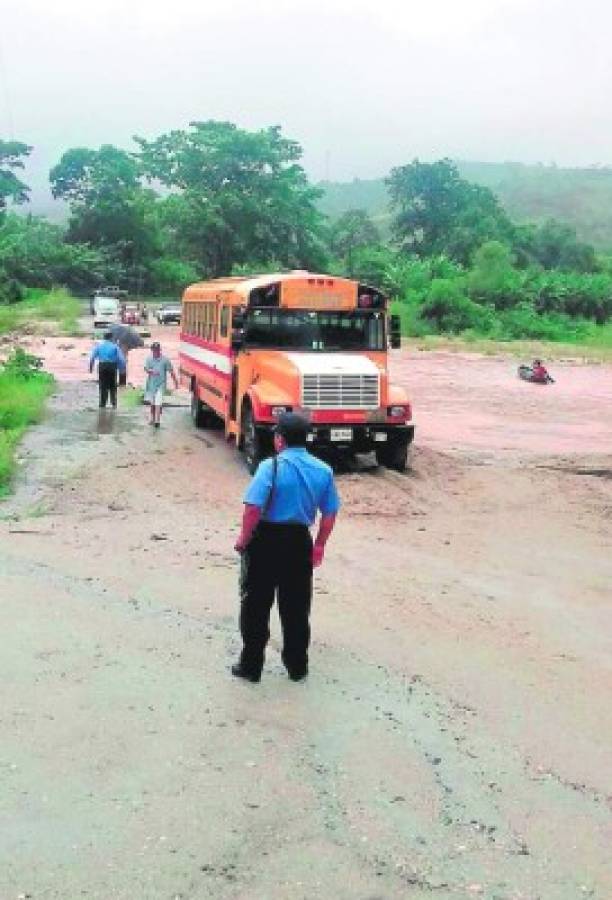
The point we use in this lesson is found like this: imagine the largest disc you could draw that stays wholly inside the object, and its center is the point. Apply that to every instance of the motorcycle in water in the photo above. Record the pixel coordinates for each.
(527, 373)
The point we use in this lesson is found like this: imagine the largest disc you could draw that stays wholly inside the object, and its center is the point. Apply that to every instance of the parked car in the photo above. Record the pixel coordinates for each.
(171, 314)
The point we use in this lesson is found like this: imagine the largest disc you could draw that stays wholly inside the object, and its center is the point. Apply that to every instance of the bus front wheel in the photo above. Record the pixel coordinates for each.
(253, 441)
(393, 454)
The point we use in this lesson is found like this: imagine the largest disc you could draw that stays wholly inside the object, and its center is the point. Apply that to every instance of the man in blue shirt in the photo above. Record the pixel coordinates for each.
(110, 361)
(278, 554)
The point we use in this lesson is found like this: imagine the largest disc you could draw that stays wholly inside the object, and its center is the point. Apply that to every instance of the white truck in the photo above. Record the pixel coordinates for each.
(106, 311)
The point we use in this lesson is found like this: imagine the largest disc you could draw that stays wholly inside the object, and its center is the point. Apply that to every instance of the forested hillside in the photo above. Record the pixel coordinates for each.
(581, 198)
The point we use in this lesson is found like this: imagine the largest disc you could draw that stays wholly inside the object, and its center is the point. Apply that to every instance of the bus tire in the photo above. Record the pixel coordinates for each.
(393, 454)
(199, 413)
(252, 440)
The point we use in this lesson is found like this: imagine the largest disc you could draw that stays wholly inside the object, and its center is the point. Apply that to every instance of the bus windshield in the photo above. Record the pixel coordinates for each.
(315, 331)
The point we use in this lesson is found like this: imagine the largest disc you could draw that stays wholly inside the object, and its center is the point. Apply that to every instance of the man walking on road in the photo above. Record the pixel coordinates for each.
(110, 361)
(157, 368)
(278, 555)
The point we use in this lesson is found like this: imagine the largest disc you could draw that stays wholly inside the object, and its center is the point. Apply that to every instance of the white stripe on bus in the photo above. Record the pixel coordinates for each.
(208, 357)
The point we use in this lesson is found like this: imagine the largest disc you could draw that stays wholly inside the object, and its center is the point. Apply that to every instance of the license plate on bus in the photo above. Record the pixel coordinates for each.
(341, 434)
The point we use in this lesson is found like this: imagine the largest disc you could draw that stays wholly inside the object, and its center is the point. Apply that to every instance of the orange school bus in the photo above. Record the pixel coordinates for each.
(315, 344)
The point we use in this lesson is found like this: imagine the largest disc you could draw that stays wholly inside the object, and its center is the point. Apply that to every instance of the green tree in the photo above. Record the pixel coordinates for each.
(493, 278)
(352, 230)
(33, 253)
(109, 207)
(448, 309)
(169, 275)
(371, 265)
(237, 196)
(12, 155)
(554, 245)
(438, 212)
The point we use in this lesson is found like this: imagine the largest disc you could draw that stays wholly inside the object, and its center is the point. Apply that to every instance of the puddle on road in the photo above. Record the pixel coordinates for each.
(90, 424)
(109, 421)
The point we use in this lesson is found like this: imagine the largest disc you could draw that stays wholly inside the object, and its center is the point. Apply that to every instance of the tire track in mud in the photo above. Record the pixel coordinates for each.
(380, 748)
(471, 844)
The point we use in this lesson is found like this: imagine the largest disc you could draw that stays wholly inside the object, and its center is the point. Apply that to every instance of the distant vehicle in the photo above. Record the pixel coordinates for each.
(106, 311)
(111, 290)
(167, 315)
(131, 314)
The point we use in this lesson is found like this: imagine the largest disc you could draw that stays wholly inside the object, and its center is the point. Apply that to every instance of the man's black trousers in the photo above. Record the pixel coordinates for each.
(107, 382)
(278, 561)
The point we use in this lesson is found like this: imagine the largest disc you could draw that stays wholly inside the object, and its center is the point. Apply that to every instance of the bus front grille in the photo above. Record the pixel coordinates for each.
(340, 391)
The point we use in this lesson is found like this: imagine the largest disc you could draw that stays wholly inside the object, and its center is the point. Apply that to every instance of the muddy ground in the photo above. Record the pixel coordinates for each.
(454, 738)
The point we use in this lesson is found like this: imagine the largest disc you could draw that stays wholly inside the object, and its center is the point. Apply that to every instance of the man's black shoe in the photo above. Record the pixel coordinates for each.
(239, 672)
(298, 676)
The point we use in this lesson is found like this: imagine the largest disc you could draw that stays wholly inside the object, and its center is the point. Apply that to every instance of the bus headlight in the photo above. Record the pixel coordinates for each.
(398, 412)
(279, 410)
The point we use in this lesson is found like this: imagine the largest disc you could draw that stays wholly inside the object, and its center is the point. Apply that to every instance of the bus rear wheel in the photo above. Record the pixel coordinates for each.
(199, 414)
(253, 440)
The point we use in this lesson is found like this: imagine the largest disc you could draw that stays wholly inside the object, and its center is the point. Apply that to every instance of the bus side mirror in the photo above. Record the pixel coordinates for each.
(395, 332)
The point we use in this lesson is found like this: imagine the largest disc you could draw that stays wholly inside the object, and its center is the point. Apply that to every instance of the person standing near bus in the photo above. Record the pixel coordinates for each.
(157, 367)
(110, 361)
(278, 555)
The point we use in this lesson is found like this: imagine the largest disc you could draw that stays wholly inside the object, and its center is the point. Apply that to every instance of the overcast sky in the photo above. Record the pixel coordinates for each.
(362, 85)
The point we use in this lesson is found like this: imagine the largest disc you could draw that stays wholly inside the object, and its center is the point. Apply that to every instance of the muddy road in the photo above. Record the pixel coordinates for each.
(454, 738)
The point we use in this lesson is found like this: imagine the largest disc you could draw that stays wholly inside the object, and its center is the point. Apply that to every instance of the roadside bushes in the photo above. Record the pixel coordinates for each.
(56, 305)
(523, 321)
(23, 391)
(11, 291)
(450, 310)
(493, 298)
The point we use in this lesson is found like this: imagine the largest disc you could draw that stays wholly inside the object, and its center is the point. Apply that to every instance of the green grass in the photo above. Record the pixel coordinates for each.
(131, 397)
(22, 401)
(55, 306)
(521, 349)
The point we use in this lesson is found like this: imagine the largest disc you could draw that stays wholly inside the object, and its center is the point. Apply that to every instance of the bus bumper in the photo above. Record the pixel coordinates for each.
(357, 438)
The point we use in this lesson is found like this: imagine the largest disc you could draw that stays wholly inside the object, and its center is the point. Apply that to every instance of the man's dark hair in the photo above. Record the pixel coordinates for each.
(293, 428)
(108, 335)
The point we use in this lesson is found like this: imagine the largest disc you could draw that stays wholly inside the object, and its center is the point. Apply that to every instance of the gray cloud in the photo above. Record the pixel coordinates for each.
(362, 85)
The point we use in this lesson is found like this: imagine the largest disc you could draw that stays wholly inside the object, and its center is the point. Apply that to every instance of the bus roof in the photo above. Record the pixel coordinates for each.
(242, 285)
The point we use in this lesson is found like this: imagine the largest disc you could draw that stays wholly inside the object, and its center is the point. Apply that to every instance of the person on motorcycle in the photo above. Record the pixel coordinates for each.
(539, 372)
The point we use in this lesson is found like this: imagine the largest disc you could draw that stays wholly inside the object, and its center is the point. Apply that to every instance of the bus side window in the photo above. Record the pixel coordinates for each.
(201, 312)
(224, 322)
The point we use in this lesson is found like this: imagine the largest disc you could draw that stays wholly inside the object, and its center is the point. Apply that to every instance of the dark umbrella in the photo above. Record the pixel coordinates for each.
(126, 336)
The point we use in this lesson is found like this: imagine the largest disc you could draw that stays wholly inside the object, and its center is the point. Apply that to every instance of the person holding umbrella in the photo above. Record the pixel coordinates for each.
(157, 367)
(110, 360)
(127, 339)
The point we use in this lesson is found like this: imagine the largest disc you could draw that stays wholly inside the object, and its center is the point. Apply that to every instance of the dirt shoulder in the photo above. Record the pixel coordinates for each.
(454, 737)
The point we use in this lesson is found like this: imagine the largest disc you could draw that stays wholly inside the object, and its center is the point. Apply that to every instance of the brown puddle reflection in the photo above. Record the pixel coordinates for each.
(109, 421)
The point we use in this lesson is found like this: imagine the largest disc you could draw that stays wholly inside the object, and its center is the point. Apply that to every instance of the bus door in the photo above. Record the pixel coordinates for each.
(236, 337)
(225, 340)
